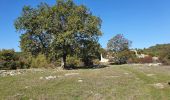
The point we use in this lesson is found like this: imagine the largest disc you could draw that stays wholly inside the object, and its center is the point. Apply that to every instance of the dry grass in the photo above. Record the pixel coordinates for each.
(123, 82)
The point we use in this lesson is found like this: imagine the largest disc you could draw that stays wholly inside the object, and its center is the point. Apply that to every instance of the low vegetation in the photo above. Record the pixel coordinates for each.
(161, 51)
(117, 82)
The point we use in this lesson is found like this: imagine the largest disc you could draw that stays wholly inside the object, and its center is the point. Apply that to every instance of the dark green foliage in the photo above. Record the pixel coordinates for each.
(9, 59)
(7, 55)
(74, 61)
(58, 31)
(123, 56)
(89, 52)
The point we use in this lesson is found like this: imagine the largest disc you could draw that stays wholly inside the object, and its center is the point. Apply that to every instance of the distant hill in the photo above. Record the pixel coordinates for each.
(157, 50)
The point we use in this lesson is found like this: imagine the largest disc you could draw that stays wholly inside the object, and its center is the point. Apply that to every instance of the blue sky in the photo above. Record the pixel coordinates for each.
(144, 22)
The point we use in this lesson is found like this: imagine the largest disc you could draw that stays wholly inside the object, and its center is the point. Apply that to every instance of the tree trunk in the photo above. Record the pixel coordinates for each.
(63, 61)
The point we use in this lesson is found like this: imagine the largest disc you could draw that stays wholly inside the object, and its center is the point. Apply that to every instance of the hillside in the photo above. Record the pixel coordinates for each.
(157, 50)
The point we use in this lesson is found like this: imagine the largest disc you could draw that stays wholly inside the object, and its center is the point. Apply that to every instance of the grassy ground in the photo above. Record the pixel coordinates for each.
(125, 82)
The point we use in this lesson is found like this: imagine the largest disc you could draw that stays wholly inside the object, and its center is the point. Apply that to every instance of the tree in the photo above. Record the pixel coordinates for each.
(58, 31)
(120, 46)
(118, 43)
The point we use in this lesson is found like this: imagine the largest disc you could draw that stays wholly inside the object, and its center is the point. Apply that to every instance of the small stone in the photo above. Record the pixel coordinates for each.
(41, 78)
(159, 85)
(126, 73)
(50, 77)
(80, 81)
(71, 74)
(26, 87)
(150, 74)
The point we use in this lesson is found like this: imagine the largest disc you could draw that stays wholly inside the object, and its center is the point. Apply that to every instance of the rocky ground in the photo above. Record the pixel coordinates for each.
(124, 82)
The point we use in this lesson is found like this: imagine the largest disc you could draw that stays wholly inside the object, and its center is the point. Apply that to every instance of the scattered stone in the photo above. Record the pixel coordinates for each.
(18, 94)
(80, 81)
(71, 74)
(112, 76)
(26, 87)
(50, 77)
(41, 78)
(159, 85)
(150, 74)
(4, 73)
(126, 73)
(154, 64)
(98, 96)
(59, 76)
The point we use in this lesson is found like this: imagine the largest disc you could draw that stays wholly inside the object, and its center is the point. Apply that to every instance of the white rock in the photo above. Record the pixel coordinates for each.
(150, 74)
(159, 85)
(126, 73)
(41, 78)
(71, 74)
(80, 81)
(50, 77)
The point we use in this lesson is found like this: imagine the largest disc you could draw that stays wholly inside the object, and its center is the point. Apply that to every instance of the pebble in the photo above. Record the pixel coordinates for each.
(80, 81)
(71, 74)
(50, 77)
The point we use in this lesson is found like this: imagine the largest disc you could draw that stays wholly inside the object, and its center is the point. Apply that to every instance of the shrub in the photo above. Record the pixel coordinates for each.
(7, 55)
(165, 58)
(147, 59)
(39, 62)
(73, 61)
(123, 56)
(10, 65)
(24, 62)
(8, 59)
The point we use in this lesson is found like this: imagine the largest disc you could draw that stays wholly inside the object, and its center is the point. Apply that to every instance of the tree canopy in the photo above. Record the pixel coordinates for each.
(118, 43)
(119, 46)
(59, 30)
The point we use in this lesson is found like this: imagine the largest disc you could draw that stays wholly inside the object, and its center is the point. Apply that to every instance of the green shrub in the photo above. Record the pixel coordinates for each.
(73, 61)
(7, 55)
(39, 62)
(122, 57)
(9, 59)
(10, 65)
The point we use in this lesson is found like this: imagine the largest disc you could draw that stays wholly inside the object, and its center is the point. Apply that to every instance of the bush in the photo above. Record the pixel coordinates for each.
(122, 57)
(40, 62)
(147, 59)
(10, 65)
(165, 58)
(132, 60)
(73, 61)
(7, 55)
(9, 59)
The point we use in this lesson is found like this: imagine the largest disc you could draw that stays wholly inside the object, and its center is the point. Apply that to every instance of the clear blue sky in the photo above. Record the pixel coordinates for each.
(144, 22)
